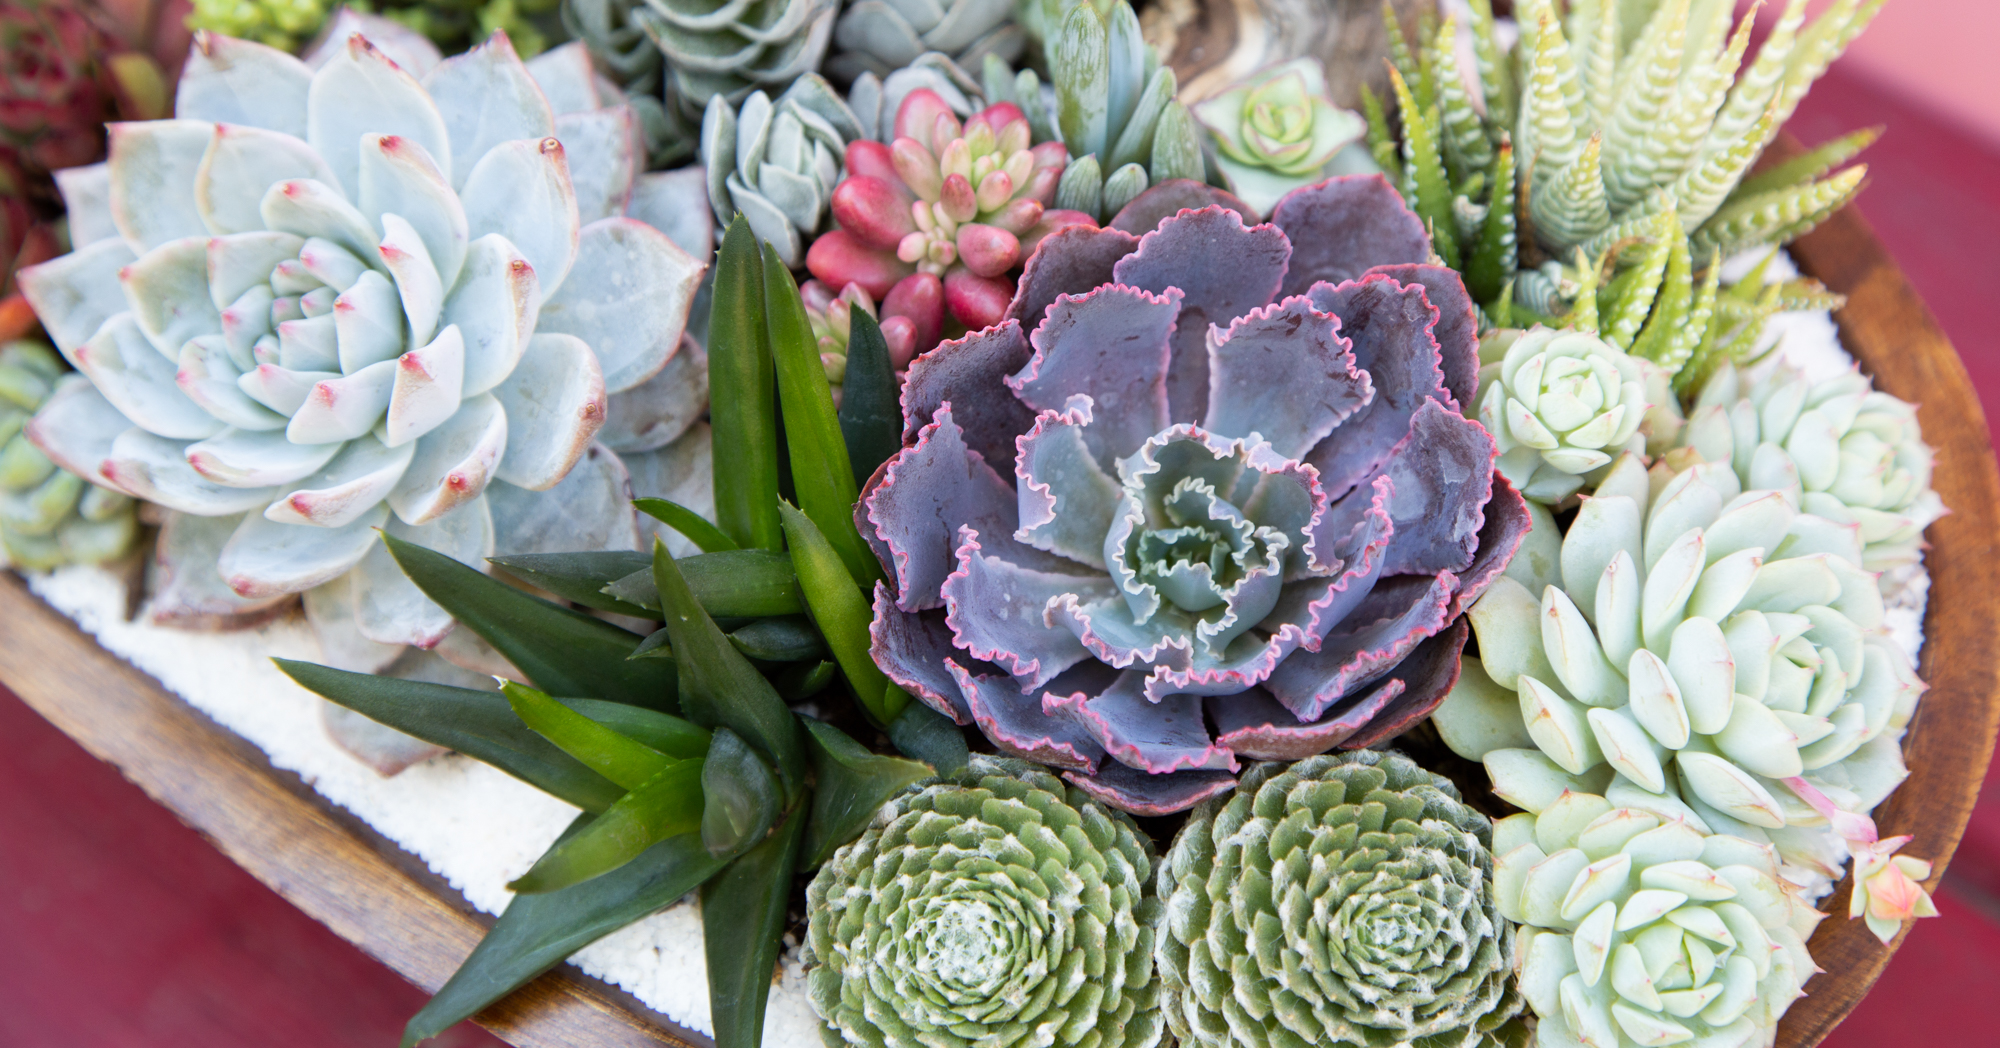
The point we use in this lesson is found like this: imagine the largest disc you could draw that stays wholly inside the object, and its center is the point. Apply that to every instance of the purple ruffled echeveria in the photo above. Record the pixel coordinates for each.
(1206, 494)
(326, 302)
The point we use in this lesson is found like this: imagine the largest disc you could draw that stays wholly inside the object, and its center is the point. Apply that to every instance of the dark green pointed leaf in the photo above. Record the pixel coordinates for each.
(689, 523)
(871, 412)
(841, 613)
(740, 798)
(579, 577)
(739, 584)
(478, 724)
(539, 931)
(849, 784)
(673, 736)
(748, 899)
(786, 638)
(625, 761)
(929, 736)
(821, 473)
(802, 680)
(742, 396)
(719, 687)
(657, 645)
(666, 805)
(563, 652)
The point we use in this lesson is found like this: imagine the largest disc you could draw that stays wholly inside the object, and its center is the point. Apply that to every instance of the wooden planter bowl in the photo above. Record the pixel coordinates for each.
(378, 897)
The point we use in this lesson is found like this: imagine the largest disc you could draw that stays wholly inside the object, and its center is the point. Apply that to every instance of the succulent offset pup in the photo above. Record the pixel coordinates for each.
(995, 907)
(336, 301)
(1346, 900)
(49, 516)
(1244, 515)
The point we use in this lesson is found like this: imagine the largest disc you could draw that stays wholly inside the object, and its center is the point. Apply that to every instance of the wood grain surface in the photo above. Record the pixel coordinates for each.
(318, 857)
(1892, 334)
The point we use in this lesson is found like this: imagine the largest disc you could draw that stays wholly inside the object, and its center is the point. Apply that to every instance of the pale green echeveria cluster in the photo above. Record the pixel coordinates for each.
(997, 908)
(882, 36)
(1698, 651)
(1347, 899)
(1836, 448)
(49, 516)
(325, 302)
(1639, 930)
(1277, 131)
(1560, 406)
(778, 162)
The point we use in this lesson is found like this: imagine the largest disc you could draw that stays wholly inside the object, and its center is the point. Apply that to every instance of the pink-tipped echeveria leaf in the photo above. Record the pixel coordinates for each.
(353, 288)
(1145, 585)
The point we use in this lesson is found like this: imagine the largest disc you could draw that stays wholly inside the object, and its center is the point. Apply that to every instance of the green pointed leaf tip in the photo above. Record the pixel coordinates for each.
(563, 652)
(623, 760)
(821, 473)
(673, 736)
(708, 537)
(719, 687)
(666, 805)
(537, 932)
(871, 413)
(850, 783)
(742, 396)
(740, 797)
(749, 898)
(579, 577)
(789, 638)
(1421, 151)
(734, 584)
(478, 724)
(842, 613)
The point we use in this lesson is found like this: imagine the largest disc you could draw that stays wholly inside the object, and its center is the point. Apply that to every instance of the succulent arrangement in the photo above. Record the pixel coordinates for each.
(1053, 497)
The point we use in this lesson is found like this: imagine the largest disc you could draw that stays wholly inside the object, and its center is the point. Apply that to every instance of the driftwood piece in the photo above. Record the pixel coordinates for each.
(1214, 43)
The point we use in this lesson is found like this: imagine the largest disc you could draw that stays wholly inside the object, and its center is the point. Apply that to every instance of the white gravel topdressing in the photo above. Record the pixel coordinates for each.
(479, 829)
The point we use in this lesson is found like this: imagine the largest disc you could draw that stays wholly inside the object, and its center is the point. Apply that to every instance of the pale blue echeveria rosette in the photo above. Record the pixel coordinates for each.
(323, 302)
(1205, 494)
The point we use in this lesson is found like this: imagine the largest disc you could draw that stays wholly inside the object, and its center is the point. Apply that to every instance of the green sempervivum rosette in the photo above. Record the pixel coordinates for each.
(996, 907)
(49, 516)
(1277, 131)
(1346, 899)
(1640, 930)
(1837, 448)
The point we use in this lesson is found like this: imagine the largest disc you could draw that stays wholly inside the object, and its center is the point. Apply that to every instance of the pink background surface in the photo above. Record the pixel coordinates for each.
(122, 928)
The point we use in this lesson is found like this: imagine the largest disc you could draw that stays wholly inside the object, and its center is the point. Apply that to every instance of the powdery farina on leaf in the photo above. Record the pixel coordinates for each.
(1171, 519)
(342, 300)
